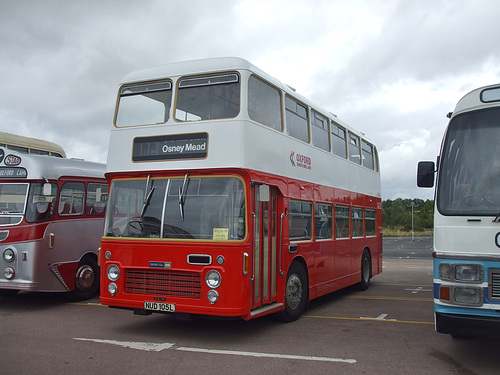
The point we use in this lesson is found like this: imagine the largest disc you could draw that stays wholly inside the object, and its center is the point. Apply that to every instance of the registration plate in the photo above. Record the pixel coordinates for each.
(158, 306)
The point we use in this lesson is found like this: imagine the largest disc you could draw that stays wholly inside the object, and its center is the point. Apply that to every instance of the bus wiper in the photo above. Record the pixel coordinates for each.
(497, 219)
(146, 201)
(182, 195)
(147, 197)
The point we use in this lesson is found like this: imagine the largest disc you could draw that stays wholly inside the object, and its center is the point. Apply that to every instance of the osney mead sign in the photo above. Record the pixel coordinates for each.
(169, 147)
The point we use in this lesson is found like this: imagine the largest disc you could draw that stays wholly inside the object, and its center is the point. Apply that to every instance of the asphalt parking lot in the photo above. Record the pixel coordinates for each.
(387, 329)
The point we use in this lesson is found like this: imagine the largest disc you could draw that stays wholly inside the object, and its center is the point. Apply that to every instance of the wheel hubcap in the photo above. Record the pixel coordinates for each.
(85, 277)
(294, 291)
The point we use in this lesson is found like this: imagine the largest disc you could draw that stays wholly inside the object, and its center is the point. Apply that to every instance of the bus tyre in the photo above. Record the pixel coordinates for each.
(366, 271)
(86, 280)
(296, 293)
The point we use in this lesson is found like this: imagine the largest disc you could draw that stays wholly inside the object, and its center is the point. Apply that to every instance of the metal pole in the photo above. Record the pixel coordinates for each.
(412, 230)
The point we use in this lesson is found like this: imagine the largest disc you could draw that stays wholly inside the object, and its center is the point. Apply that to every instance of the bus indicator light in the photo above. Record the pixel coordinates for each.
(246, 263)
(444, 293)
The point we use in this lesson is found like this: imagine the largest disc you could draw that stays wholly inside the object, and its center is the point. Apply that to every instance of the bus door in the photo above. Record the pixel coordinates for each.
(265, 245)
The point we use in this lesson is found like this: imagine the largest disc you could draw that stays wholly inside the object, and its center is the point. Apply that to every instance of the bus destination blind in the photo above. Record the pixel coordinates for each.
(170, 147)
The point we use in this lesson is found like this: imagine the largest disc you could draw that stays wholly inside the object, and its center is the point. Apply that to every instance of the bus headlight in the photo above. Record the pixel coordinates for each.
(468, 296)
(112, 289)
(113, 272)
(213, 279)
(461, 272)
(9, 273)
(469, 273)
(9, 255)
(212, 296)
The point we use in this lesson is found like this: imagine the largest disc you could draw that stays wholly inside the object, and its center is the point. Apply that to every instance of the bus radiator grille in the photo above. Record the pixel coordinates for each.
(495, 285)
(165, 283)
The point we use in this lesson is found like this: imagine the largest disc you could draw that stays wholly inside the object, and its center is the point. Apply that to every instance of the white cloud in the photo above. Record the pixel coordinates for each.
(392, 69)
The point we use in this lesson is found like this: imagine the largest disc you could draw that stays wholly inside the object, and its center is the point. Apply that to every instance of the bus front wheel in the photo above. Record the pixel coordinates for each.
(296, 293)
(86, 280)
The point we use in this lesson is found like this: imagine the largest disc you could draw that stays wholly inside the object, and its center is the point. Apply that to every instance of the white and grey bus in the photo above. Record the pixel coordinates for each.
(466, 248)
(51, 223)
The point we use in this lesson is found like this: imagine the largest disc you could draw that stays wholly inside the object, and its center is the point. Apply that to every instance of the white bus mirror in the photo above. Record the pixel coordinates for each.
(98, 194)
(47, 189)
(264, 193)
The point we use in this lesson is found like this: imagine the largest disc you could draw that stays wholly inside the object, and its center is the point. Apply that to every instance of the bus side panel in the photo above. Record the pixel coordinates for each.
(72, 238)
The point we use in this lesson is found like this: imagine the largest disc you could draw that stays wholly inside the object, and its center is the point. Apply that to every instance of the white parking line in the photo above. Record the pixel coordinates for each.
(155, 347)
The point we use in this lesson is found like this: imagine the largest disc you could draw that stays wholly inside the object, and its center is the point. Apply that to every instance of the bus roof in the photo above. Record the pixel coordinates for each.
(8, 139)
(32, 167)
(224, 64)
(474, 99)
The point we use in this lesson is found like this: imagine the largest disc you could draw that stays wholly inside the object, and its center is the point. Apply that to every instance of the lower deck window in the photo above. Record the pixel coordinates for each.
(300, 220)
(323, 217)
(342, 222)
(357, 222)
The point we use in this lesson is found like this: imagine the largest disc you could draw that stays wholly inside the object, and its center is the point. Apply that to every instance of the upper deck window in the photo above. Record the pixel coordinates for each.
(208, 97)
(367, 152)
(297, 120)
(264, 103)
(320, 131)
(354, 150)
(144, 104)
(338, 141)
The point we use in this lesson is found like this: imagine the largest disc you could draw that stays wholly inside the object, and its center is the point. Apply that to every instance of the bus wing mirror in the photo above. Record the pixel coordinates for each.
(425, 174)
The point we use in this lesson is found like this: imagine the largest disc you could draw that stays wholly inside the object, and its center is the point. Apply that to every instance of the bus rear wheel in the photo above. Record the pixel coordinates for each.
(86, 280)
(296, 293)
(366, 271)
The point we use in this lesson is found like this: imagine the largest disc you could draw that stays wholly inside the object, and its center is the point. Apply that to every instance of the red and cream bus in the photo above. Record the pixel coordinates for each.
(51, 223)
(232, 196)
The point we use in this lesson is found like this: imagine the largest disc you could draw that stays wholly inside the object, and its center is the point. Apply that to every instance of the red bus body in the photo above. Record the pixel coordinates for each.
(253, 221)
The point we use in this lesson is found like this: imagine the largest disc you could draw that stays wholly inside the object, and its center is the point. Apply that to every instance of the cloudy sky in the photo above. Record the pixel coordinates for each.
(390, 68)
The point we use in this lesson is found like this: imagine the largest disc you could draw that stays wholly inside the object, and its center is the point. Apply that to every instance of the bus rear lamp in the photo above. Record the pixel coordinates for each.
(9, 273)
(9, 255)
(113, 272)
(112, 289)
(212, 296)
(213, 279)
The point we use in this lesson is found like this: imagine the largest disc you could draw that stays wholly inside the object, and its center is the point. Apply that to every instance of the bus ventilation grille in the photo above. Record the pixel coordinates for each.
(495, 285)
(164, 283)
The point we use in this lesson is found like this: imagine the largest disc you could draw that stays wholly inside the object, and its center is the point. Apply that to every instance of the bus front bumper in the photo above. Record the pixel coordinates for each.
(466, 325)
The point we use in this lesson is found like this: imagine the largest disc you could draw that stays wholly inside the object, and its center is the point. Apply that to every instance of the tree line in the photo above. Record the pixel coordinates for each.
(396, 214)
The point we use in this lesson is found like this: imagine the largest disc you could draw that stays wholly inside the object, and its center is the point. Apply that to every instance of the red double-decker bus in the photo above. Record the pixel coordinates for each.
(233, 196)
